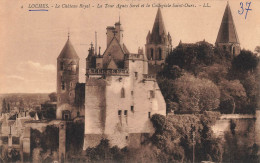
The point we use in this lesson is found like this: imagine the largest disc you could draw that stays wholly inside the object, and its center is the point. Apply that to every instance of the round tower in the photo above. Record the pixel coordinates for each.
(67, 78)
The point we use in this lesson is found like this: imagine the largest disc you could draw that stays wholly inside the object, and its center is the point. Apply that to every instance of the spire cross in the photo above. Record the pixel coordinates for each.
(68, 34)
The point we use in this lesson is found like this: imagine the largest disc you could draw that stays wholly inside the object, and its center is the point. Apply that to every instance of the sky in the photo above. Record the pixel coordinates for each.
(30, 41)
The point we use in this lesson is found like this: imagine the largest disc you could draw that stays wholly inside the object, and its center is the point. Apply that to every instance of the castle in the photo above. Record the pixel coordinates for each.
(120, 94)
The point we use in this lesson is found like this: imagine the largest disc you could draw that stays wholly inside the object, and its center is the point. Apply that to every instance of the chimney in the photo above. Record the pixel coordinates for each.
(119, 32)
(110, 34)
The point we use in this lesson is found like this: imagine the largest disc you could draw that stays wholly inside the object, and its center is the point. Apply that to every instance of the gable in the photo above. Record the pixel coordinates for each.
(115, 51)
(112, 65)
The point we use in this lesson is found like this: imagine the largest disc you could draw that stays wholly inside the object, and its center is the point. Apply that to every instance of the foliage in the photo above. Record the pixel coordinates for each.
(4, 106)
(49, 113)
(103, 152)
(49, 139)
(173, 138)
(233, 96)
(239, 143)
(189, 56)
(196, 94)
(245, 61)
(53, 97)
(257, 49)
(74, 138)
(215, 72)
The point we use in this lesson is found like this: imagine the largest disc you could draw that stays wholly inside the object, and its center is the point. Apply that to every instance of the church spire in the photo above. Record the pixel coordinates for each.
(158, 28)
(227, 31)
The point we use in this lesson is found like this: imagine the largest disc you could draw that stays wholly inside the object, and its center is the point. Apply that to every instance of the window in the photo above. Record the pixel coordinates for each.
(70, 93)
(61, 65)
(152, 95)
(132, 108)
(125, 112)
(136, 75)
(71, 84)
(151, 54)
(149, 114)
(63, 85)
(160, 54)
(122, 93)
(132, 93)
(119, 112)
(66, 115)
(126, 137)
(78, 114)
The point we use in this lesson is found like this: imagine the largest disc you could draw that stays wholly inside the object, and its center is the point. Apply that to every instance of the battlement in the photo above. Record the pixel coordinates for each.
(120, 72)
(134, 57)
(149, 77)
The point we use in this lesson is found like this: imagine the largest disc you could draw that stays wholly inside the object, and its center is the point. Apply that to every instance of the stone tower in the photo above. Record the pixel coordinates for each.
(67, 78)
(159, 42)
(227, 35)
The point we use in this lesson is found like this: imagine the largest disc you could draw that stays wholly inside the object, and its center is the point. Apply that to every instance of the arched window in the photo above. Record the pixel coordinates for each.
(160, 54)
(122, 93)
(151, 54)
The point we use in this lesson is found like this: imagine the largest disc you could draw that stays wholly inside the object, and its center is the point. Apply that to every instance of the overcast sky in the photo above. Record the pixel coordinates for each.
(30, 42)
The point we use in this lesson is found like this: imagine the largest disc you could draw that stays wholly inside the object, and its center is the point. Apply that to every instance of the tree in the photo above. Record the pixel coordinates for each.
(4, 106)
(257, 49)
(233, 96)
(53, 97)
(245, 61)
(215, 72)
(196, 94)
(8, 108)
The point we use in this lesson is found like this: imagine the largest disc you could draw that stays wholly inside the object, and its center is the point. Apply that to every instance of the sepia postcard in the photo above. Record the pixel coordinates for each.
(129, 81)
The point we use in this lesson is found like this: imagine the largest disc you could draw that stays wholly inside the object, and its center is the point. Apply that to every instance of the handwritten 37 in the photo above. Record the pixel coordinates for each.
(247, 8)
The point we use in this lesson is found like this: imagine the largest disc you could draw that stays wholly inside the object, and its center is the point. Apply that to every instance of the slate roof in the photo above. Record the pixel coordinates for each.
(227, 32)
(68, 51)
(158, 28)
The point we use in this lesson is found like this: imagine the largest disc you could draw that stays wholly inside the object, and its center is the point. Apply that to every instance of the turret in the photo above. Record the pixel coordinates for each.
(67, 76)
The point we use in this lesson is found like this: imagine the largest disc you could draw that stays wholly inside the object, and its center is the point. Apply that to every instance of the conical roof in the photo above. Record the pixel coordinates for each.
(158, 28)
(68, 51)
(227, 32)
